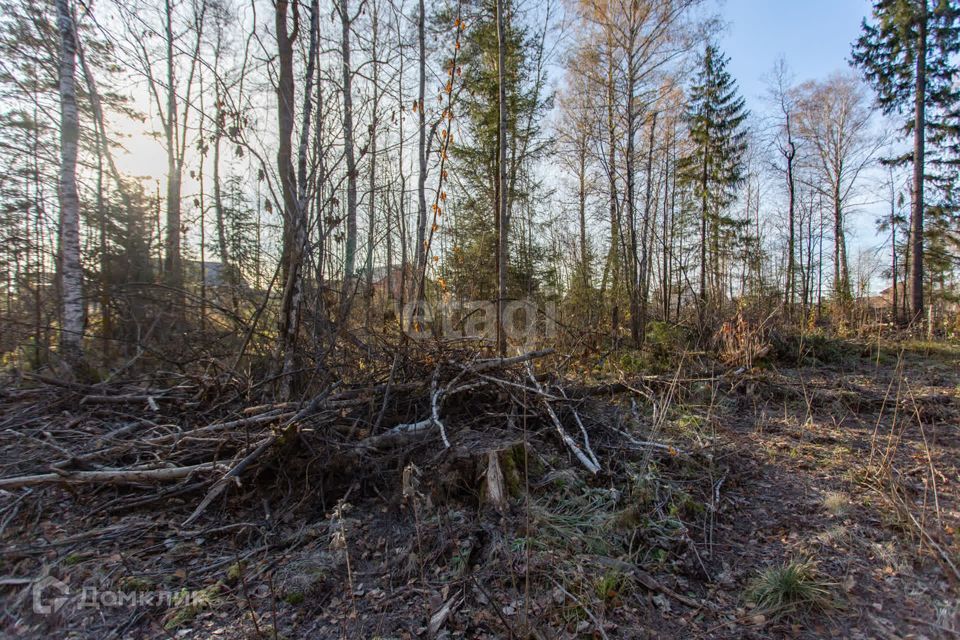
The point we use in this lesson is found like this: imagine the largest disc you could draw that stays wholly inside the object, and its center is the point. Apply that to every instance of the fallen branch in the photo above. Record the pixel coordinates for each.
(503, 363)
(650, 583)
(435, 409)
(123, 399)
(231, 475)
(108, 476)
(587, 461)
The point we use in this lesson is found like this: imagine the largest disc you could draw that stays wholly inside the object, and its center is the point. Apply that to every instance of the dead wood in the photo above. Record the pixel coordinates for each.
(468, 403)
(108, 476)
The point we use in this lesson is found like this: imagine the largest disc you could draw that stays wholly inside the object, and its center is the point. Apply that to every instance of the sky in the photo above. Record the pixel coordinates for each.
(814, 37)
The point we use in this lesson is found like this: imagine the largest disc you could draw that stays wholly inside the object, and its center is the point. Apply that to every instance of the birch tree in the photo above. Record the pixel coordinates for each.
(833, 118)
(70, 270)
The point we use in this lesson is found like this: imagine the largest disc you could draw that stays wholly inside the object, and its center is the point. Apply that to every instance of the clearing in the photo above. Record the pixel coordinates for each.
(812, 496)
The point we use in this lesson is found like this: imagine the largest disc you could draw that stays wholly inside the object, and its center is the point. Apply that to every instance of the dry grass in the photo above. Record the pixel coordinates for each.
(836, 503)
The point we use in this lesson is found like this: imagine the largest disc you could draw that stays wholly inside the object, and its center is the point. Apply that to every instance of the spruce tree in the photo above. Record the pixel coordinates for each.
(472, 265)
(715, 167)
(909, 55)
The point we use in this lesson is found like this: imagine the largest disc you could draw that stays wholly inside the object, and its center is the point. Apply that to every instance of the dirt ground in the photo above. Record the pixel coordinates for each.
(848, 461)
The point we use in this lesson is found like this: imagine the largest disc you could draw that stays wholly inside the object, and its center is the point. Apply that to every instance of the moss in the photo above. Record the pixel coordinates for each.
(667, 339)
(193, 603)
(511, 462)
(660, 556)
(633, 362)
(294, 598)
(234, 572)
(134, 583)
(627, 519)
(687, 506)
(688, 422)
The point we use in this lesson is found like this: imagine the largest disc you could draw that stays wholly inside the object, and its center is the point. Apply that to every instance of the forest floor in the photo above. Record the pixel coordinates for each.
(844, 463)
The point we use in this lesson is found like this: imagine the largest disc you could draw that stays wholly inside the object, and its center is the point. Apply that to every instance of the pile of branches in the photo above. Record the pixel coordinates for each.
(201, 436)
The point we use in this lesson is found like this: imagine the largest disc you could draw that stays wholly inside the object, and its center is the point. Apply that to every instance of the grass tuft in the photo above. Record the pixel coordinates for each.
(836, 503)
(793, 587)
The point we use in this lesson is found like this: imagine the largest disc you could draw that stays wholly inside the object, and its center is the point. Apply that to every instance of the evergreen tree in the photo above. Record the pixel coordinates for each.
(909, 56)
(472, 267)
(715, 167)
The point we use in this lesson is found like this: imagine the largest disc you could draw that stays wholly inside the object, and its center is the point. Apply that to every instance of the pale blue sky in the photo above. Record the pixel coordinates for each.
(813, 35)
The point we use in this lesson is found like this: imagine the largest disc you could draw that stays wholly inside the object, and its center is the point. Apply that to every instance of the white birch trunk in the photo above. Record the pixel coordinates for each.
(70, 270)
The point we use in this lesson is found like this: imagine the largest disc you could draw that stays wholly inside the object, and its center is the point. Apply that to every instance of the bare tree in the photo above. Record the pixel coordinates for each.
(833, 118)
(787, 148)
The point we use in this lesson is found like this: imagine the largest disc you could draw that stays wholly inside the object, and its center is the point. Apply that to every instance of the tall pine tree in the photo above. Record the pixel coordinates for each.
(715, 167)
(909, 56)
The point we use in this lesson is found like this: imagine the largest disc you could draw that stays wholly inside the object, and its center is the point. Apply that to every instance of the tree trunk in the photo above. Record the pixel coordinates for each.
(350, 257)
(919, 132)
(644, 248)
(224, 249)
(703, 232)
(290, 259)
(893, 248)
(502, 222)
(669, 218)
(420, 255)
(633, 273)
(402, 200)
(582, 211)
(612, 268)
(173, 265)
(790, 153)
(70, 268)
(841, 272)
(372, 189)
